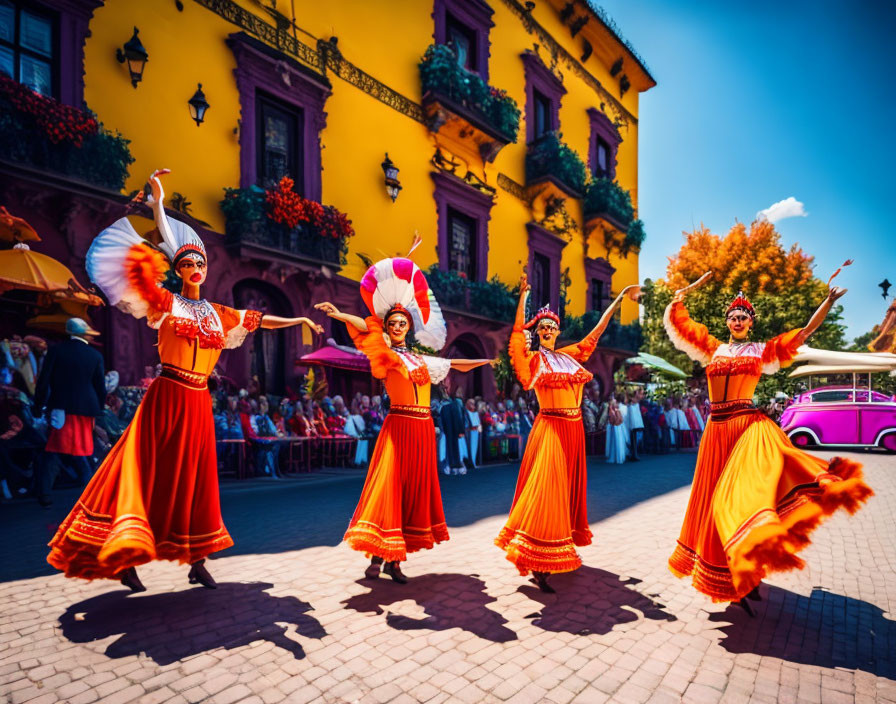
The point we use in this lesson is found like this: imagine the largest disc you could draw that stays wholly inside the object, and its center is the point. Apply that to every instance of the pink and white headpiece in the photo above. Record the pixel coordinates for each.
(397, 283)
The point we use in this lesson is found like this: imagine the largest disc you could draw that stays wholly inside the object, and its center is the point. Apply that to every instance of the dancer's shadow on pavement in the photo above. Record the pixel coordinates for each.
(171, 626)
(824, 629)
(449, 600)
(592, 601)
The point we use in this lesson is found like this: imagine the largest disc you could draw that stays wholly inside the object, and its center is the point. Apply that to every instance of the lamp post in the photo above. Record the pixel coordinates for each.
(135, 54)
(391, 172)
(198, 105)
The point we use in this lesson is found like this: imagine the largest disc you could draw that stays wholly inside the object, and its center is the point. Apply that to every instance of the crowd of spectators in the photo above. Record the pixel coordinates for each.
(258, 432)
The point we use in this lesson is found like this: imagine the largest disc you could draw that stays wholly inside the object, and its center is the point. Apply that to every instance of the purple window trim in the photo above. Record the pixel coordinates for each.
(74, 28)
(600, 269)
(452, 193)
(547, 243)
(477, 15)
(260, 68)
(539, 77)
(602, 128)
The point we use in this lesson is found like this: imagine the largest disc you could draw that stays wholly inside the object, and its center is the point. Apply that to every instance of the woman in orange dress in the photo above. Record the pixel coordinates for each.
(400, 509)
(755, 497)
(549, 514)
(155, 496)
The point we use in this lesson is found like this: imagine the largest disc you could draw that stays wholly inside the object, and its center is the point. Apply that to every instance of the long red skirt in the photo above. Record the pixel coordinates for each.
(549, 515)
(400, 509)
(755, 500)
(156, 494)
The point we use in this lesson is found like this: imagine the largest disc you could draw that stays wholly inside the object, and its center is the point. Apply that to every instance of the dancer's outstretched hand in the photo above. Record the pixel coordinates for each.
(680, 293)
(327, 308)
(835, 293)
(524, 284)
(155, 183)
(311, 324)
(633, 292)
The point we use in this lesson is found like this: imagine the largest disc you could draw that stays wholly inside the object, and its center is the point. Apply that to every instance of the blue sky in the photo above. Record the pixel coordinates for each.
(760, 101)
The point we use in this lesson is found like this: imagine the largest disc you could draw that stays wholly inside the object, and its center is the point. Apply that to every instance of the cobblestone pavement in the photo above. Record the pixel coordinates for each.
(293, 622)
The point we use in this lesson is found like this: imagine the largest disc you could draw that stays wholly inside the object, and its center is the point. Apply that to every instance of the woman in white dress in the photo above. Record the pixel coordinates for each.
(616, 440)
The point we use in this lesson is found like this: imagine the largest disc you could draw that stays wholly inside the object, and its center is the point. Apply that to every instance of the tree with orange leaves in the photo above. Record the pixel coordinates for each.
(778, 281)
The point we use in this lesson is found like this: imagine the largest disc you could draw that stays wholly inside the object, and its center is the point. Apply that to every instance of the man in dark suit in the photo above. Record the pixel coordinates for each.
(71, 387)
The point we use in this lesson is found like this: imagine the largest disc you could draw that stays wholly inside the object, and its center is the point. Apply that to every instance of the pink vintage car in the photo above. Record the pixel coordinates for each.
(842, 415)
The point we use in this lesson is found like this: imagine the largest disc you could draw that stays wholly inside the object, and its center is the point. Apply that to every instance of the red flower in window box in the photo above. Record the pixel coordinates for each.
(58, 121)
(287, 207)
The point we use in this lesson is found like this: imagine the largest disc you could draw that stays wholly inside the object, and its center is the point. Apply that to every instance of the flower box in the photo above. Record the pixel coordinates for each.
(48, 135)
(550, 161)
(277, 222)
(475, 113)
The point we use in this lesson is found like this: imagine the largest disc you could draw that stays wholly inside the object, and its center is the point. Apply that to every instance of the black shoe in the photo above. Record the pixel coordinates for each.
(745, 605)
(373, 570)
(130, 579)
(394, 571)
(199, 574)
(541, 580)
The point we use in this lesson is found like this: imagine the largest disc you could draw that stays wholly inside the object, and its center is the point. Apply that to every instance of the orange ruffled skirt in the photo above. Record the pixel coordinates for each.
(754, 502)
(156, 494)
(549, 515)
(400, 509)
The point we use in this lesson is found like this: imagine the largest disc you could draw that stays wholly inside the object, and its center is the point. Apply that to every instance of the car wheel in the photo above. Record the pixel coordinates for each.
(802, 440)
(888, 442)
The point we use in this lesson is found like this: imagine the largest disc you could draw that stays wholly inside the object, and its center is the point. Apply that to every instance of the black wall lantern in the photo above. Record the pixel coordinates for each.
(198, 105)
(391, 172)
(136, 56)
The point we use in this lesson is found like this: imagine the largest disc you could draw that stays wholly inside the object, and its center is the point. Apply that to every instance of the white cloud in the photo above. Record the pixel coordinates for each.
(787, 208)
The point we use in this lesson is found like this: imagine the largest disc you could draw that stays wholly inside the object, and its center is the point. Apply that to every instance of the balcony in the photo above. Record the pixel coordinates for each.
(608, 209)
(468, 116)
(279, 225)
(491, 299)
(554, 169)
(47, 135)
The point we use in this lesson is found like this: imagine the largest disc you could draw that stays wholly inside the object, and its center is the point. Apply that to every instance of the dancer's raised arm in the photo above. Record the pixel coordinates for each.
(690, 337)
(583, 349)
(820, 314)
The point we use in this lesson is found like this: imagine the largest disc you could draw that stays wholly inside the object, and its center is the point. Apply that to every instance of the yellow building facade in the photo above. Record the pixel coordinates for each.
(324, 91)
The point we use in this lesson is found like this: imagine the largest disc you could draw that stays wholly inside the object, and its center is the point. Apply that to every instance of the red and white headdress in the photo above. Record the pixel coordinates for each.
(397, 285)
(544, 313)
(740, 302)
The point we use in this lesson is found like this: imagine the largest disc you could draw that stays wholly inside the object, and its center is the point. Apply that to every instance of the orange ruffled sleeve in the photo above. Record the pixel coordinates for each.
(374, 347)
(690, 337)
(582, 351)
(780, 351)
(145, 268)
(237, 324)
(524, 361)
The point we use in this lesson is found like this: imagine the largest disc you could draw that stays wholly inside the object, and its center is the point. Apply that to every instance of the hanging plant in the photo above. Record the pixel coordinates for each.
(441, 74)
(550, 156)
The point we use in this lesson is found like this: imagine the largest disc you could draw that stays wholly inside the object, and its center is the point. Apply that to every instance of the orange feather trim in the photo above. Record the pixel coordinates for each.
(734, 366)
(691, 338)
(769, 543)
(145, 268)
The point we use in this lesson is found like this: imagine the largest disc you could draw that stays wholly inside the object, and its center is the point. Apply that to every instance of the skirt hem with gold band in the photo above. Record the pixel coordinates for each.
(400, 509)
(754, 502)
(548, 517)
(155, 496)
